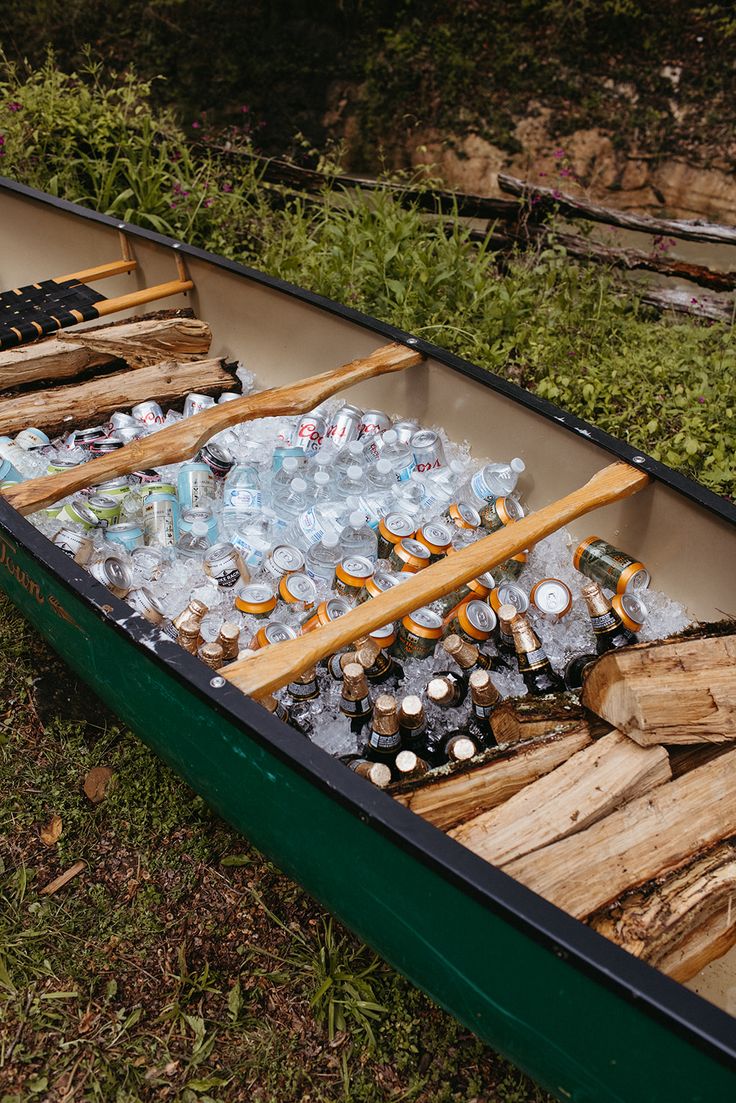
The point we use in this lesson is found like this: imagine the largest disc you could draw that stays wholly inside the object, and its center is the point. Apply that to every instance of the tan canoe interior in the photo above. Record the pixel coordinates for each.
(689, 551)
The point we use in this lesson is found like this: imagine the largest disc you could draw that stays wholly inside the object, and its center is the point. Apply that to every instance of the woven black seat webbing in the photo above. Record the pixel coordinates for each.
(28, 313)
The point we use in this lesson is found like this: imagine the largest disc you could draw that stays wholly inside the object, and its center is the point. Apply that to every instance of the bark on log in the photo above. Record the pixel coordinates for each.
(451, 799)
(679, 691)
(138, 343)
(682, 301)
(519, 719)
(590, 785)
(85, 404)
(682, 923)
(647, 838)
(546, 200)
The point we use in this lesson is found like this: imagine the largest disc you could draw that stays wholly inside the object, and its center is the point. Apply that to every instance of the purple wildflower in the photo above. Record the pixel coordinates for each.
(208, 202)
(196, 125)
(15, 106)
(701, 399)
(227, 187)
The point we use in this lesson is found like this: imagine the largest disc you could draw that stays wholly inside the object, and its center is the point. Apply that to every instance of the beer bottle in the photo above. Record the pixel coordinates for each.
(576, 668)
(483, 699)
(455, 746)
(413, 724)
(378, 773)
(211, 654)
(610, 631)
(466, 654)
(275, 707)
(409, 766)
(447, 689)
(336, 663)
(304, 687)
(506, 614)
(534, 666)
(380, 668)
(355, 702)
(384, 740)
(229, 640)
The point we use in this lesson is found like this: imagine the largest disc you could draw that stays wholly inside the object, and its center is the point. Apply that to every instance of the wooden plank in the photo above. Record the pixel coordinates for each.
(519, 719)
(451, 799)
(678, 691)
(82, 404)
(683, 922)
(590, 785)
(101, 271)
(647, 838)
(141, 342)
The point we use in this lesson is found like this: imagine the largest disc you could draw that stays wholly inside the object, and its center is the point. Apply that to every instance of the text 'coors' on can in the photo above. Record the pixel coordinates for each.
(344, 425)
(373, 421)
(610, 568)
(310, 433)
(150, 413)
(194, 403)
(429, 452)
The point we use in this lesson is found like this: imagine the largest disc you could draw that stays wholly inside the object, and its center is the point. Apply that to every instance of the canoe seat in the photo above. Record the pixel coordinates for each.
(39, 309)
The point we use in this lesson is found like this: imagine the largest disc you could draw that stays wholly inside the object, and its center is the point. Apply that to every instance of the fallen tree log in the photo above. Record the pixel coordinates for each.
(86, 404)
(138, 342)
(679, 691)
(647, 838)
(450, 799)
(682, 301)
(590, 785)
(683, 922)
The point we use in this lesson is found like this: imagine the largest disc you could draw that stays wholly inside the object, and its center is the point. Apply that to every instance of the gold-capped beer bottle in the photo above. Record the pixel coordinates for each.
(447, 689)
(384, 741)
(466, 654)
(378, 773)
(355, 702)
(413, 724)
(483, 700)
(534, 666)
(610, 631)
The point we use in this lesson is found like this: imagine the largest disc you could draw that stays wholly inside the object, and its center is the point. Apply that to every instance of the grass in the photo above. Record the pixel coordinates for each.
(181, 964)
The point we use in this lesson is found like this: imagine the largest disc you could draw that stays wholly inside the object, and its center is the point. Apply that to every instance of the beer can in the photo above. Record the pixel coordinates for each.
(126, 533)
(157, 486)
(325, 612)
(84, 438)
(344, 424)
(283, 559)
(298, 589)
(477, 589)
(436, 538)
(10, 476)
(463, 516)
(392, 529)
(74, 542)
(55, 467)
(126, 435)
(508, 593)
(204, 516)
(105, 446)
(113, 573)
(150, 413)
(119, 420)
(429, 452)
(224, 566)
(474, 621)
(373, 421)
(194, 404)
(385, 636)
(217, 458)
(228, 396)
(310, 433)
(418, 634)
(256, 600)
(551, 597)
(631, 610)
(31, 438)
(194, 484)
(409, 556)
(79, 512)
(114, 488)
(273, 632)
(380, 581)
(144, 477)
(161, 519)
(147, 562)
(351, 575)
(106, 509)
(513, 567)
(145, 603)
(500, 512)
(405, 430)
(610, 568)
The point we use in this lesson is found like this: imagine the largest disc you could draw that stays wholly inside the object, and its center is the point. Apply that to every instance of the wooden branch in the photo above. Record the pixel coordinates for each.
(679, 691)
(647, 838)
(682, 923)
(682, 301)
(545, 200)
(183, 440)
(589, 786)
(147, 341)
(451, 799)
(518, 719)
(83, 404)
(63, 879)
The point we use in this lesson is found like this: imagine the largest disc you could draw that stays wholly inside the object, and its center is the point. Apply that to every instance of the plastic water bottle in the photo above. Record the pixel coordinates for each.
(322, 558)
(290, 505)
(351, 454)
(495, 480)
(351, 483)
(194, 544)
(313, 524)
(242, 489)
(281, 479)
(358, 538)
(252, 534)
(321, 488)
(398, 454)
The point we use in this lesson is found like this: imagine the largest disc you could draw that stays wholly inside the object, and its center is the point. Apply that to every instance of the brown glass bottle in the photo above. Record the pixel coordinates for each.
(467, 656)
(380, 667)
(384, 740)
(484, 697)
(355, 702)
(376, 772)
(413, 725)
(454, 746)
(448, 689)
(534, 666)
(610, 631)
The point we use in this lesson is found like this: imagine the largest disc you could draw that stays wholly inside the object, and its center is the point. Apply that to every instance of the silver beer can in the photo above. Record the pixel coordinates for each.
(228, 396)
(283, 559)
(310, 433)
(150, 413)
(373, 421)
(405, 430)
(119, 420)
(144, 602)
(74, 543)
(114, 574)
(195, 403)
(344, 425)
(429, 452)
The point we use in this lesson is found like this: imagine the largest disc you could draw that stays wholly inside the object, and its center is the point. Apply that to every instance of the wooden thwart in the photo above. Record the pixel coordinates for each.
(67, 354)
(587, 787)
(276, 665)
(679, 691)
(646, 838)
(182, 441)
(83, 404)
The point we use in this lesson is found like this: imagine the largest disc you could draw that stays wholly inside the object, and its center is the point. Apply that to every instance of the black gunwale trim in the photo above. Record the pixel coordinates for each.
(689, 1015)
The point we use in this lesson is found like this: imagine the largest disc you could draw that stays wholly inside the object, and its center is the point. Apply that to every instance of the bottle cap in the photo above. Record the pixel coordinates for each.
(355, 472)
(357, 519)
(330, 540)
(439, 690)
(390, 436)
(322, 478)
(383, 467)
(199, 528)
(290, 463)
(517, 465)
(298, 486)
(355, 448)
